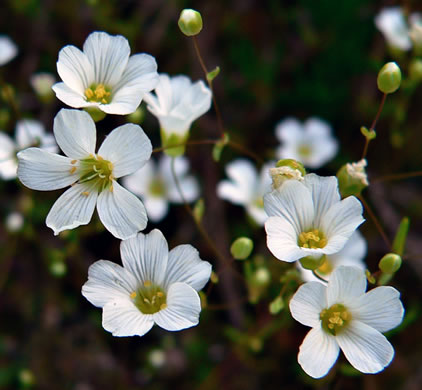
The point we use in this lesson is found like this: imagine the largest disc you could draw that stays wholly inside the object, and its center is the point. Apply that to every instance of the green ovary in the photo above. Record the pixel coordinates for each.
(97, 171)
(335, 319)
(149, 298)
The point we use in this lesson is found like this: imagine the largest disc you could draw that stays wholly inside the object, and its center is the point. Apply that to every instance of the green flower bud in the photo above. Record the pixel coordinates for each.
(173, 143)
(241, 248)
(389, 78)
(311, 262)
(190, 22)
(261, 277)
(219, 146)
(390, 263)
(276, 306)
(287, 169)
(352, 178)
(137, 116)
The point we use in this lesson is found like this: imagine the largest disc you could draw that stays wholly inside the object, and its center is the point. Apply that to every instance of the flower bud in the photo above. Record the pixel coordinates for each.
(241, 248)
(276, 306)
(261, 277)
(390, 263)
(311, 262)
(42, 83)
(352, 178)
(389, 78)
(190, 22)
(14, 222)
(286, 169)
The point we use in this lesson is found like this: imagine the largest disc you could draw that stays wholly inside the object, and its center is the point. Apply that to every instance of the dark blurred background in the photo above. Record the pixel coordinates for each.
(278, 58)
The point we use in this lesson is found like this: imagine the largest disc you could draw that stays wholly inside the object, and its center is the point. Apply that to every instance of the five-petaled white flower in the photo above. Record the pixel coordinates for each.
(155, 184)
(311, 143)
(28, 133)
(177, 103)
(342, 316)
(153, 286)
(92, 176)
(8, 50)
(104, 76)
(352, 254)
(307, 218)
(246, 187)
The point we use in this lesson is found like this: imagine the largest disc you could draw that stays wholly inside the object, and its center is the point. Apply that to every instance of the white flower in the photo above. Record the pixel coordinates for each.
(343, 317)
(92, 176)
(393, 25)
(153, 286)
(178, 102)
(28, 133)
(156, 186)
(42, 83)
(246, 188)
(14, 222)
(310, 143)
(352, 254)
(308, 218)
(357, 171)
(8, 50)
(104, 75)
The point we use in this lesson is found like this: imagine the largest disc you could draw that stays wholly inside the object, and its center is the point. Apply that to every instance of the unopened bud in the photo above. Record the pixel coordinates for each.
(390, 263)
(262, 276)
(190, 22)
(276, 306)
(42, 83)
(287, 169)
(352, 178)
(241, 248)
(311, 262)
(389, 78)
(14, 222)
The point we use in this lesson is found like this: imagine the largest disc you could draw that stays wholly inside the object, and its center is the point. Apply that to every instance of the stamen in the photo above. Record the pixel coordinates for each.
(72, 170)
(147, 283)
(163, 306)
(85, 193)
(74, 161)
(335, 319)
(133, 294)
(312, 239)
(98, 93)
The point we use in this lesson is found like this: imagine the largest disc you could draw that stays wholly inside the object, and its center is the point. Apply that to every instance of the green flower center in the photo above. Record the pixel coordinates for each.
(335, 319)
(149, 298)
(97, 171)
(98, 93)
(157, 188)
(312, 239)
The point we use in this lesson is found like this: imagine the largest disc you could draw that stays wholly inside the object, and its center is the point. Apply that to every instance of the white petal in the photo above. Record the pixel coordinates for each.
(139, 182)
(28, 133)
(157, 207)
(8, 50)
(324, 192)
(183, 308)
(282, 239)
(379, 308)
(232, 192)
(123, 102)
(128, 148)
(7, 147)
(345, 285)
(75, 69)
(317, 128)
(353, 252)
(391, 22)
(185, 265)
(318, 352)
(323, 150)
(8, 162)
(109, 56)
(122, 213)
(257, 213)
(70, 97)
(122, 318)
(308, 302)
(75, 133)
(365, 348)
(290, 131)
(293, 203)
(8, 169)
(45, 171)
(145, 256)
(74, 208)
(181, 167)
(339, 223)
(108, 281)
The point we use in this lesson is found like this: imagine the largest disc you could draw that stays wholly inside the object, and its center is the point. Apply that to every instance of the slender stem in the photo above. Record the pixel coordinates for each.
(375, 221)
(199, 226)
(373, 124)
(397, 176)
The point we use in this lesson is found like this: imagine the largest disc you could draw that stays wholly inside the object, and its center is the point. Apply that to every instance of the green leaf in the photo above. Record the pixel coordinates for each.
(401, 236)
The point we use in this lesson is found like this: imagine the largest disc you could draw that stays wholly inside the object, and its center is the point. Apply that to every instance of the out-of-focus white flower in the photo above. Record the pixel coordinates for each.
(104, 76)
(311, 143)
(342, 316)
(42, 84)
(8, 50)
(246, 187)
(308, 219)
(92, 176)
(14, 222)
(28, 133)
(154, 286)
(156, 186)
(176, 104)
(352, 254)
(415, 32)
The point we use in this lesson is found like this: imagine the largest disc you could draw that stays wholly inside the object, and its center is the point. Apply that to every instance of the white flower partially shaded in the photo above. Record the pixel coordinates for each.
(155, 184)
(8, 50)
(352, 254)
(178, 102)
(28, 133)
(343, 316)
(311, 143)
(42, 83)
(393, 25)
(92, 176)
(154, 286)
(103, 75)
(308, 218)
(246, 188)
